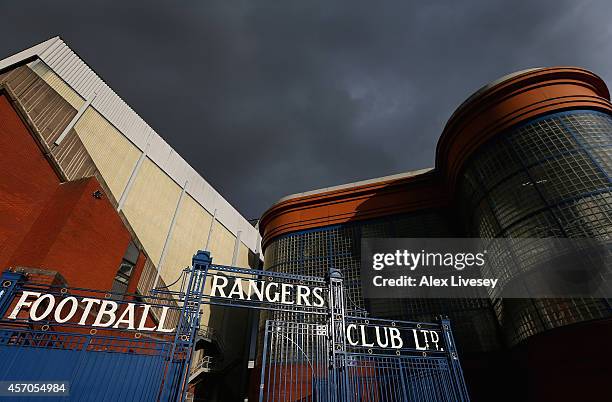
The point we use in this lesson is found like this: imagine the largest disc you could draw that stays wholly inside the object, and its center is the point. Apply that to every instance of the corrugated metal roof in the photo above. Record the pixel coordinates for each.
(83, 80)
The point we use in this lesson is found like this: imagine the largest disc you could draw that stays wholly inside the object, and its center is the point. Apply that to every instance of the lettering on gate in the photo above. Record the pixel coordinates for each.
(44, 306)
(358, 335)
(361, 335)
(267, 291)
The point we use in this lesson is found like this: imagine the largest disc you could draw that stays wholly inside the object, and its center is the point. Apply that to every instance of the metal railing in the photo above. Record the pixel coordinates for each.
(206, 364)
(211, 335)
(141, 364)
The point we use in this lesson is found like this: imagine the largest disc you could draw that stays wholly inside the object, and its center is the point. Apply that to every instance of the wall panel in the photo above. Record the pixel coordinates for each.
(222, 245)
(243, 257)
(114, 155)
(55, 82)
(189, 235)
(150, 206)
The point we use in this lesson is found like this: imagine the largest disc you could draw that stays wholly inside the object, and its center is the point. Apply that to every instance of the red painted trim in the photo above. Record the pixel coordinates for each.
(489, 113)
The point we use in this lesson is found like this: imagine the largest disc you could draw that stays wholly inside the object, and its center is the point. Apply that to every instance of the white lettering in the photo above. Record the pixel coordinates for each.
(276, 295)
(286, 292)
(162, 320)
(236, 290)
(348, 334)
(37, 303)
(435, 338)
(378, 340)
(216, 287)
(45, 305)
(107, 308)
(143, 320)
(129, 312)
(316, 292)
(60, 305)
(302, 295)
(254, 290)
(88, 305)
(394, 334)
(363, 337)
(22, 303)
(416, 341)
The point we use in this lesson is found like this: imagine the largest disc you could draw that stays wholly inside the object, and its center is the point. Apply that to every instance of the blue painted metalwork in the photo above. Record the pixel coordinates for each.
(306, 355)
(104, 364)
(296, 366)
(9, 282)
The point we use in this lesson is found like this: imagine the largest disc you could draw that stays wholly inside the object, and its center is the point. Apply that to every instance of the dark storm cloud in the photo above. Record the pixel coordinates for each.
(267, 98)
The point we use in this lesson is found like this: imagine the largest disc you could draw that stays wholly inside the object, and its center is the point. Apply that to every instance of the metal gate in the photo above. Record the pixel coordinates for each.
(317, 352)
(296, 367)
(145, 357)
(312, 350)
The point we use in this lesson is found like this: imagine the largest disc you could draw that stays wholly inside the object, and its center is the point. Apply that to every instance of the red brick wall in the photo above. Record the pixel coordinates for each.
(78, 235)
(27, 180)
(51, 225)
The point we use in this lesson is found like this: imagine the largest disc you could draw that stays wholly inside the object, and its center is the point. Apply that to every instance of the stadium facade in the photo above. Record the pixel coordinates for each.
(92, 197)
(528, 155)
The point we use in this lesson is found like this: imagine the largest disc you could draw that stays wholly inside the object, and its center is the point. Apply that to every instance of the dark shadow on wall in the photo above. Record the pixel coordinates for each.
(568, 363)
(228, 379)
(422, 212)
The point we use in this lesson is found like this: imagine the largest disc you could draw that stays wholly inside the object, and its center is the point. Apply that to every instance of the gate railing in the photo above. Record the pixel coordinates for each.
(312, 349)
(141, 344)
(295, 363)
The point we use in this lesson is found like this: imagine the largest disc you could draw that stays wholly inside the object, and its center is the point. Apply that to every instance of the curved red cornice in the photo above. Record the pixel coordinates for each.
(489, 112)
(513, 101)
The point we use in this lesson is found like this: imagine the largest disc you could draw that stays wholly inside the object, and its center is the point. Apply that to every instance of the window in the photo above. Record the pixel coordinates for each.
(126, 269)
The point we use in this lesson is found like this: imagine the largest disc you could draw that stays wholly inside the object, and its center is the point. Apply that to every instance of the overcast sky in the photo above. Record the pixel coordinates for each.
(269, 98)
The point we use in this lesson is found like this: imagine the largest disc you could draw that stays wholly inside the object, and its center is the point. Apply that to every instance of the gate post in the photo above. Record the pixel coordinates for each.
(188, 324)
(8, 284)
(338, 375)
(453, 357)
(200, 263)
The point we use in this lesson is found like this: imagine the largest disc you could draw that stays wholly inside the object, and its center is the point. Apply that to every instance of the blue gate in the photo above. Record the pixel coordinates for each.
(341, 358)
(125, 347)
(312, 350)
(144, 356)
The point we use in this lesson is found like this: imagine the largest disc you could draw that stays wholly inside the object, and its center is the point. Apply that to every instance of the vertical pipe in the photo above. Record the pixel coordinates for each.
(210, 230)
(135, 170)
(162, 257)
(236, 248)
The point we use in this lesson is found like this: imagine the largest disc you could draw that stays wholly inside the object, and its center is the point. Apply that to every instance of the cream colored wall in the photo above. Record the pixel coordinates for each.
(150, 206)
(243, 256)
(153, 197)
(57, 83)
(114, 156)
(189, 235)
(222, 245)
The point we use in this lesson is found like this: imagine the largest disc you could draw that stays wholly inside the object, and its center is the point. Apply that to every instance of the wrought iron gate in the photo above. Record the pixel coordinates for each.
(296, 366)
(311, 349)
(318, 353)
(98, 362)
